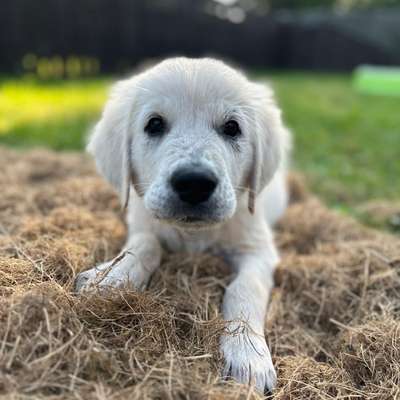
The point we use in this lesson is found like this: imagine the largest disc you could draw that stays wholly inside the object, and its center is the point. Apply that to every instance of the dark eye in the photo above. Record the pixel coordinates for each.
(231, 128)
(156, 126)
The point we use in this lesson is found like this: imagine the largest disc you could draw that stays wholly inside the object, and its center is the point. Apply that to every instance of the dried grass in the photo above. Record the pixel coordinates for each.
(333, 324)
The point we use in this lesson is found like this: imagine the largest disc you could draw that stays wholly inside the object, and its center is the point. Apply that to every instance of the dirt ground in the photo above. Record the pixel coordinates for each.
(333, 324)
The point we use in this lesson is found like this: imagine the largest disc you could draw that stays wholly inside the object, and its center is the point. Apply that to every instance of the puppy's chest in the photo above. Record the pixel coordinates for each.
(176, 241)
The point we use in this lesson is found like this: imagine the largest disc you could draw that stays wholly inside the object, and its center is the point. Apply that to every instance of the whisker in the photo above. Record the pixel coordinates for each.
(241, 188)
(143, 185)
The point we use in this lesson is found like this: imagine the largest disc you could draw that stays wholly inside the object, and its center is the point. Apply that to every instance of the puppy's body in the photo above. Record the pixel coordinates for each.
(190, 145)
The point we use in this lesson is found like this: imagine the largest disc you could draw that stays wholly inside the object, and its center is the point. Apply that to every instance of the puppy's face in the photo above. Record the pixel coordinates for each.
(191, 151)
(190, 138)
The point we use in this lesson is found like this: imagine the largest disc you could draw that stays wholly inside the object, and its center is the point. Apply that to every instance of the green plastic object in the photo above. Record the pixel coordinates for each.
(377, 80)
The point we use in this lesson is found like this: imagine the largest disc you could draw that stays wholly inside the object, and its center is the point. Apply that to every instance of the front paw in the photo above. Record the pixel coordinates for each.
(248, 360)
(122, 272)
(85, 280)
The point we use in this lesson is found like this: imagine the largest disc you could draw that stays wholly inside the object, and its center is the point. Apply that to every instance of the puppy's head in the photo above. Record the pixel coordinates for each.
(192, 136)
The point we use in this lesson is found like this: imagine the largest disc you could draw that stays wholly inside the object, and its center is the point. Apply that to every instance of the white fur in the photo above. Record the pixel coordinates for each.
(196, 96)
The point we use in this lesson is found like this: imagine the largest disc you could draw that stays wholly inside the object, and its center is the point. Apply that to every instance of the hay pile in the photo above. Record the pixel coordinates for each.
(333, 325)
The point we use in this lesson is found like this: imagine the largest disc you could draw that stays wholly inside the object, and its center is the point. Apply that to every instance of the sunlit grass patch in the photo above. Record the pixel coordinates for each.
(56, 114)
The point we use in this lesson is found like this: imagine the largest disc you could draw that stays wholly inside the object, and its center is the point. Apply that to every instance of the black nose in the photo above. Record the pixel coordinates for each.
(194, 186)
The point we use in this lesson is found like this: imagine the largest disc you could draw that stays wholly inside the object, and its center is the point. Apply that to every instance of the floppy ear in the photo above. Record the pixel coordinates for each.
(270, 143)
(110, 142)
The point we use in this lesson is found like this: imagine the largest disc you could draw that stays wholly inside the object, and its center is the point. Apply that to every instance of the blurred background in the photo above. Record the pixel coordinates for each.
(333, 63)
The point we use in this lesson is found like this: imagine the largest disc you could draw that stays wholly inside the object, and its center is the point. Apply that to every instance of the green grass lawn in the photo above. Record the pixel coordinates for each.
(346, 143)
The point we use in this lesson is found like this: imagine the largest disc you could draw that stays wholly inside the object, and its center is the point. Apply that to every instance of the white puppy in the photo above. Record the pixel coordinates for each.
(190, 145)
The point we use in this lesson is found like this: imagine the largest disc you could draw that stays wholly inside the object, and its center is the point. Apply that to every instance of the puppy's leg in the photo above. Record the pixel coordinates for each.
(247, 357)
(133, 267)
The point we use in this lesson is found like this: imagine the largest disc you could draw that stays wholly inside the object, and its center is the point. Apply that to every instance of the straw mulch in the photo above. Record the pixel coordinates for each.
(333, 324)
